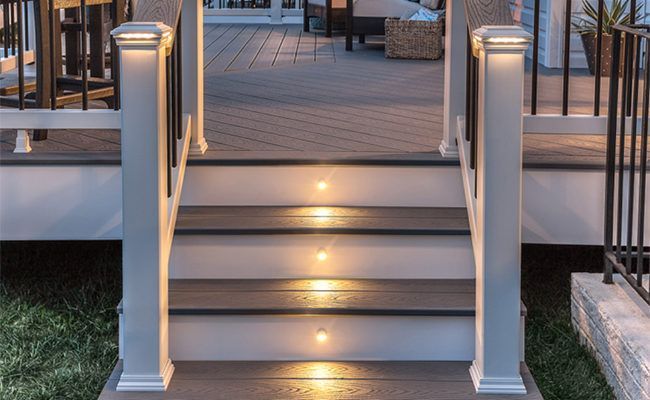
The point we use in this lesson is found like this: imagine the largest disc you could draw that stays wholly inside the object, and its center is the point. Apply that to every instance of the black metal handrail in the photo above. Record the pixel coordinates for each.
(625, 195)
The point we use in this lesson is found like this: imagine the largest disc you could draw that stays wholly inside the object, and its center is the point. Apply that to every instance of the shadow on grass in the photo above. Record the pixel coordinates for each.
(58, 326)
(562, 368)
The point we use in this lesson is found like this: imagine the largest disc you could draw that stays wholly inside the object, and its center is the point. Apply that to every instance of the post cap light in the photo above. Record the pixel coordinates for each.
(143, 34)
(501, 37)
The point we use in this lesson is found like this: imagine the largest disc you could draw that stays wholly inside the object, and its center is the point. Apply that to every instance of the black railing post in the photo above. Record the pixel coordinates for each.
(567, 58)
(610, 158)
(535, 66)
(599, 56)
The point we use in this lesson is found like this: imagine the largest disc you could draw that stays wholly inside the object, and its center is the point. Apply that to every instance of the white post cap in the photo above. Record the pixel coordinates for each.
(143, 34)
(502, 37)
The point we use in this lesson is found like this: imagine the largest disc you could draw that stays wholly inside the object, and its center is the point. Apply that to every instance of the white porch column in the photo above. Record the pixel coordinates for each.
(455, 62)
(192, 43)
(145, 251)
(499, 167)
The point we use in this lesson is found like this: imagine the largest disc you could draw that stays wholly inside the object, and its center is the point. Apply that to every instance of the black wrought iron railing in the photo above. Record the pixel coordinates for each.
(174, 73)
(601, 25)
(76, 59)
(471, 105)
(627, 158)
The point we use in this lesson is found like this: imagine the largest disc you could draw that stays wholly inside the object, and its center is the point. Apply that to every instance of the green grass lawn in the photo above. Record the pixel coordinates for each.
(58, 326)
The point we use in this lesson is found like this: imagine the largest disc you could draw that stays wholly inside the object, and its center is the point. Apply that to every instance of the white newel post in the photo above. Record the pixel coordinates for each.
(143, 47)
(455, 64)
(192, 44)
(496, 369)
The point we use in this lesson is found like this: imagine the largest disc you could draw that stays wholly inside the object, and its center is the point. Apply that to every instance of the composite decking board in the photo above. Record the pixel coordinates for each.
(324, 49)
(347, 107)
(322, 297)
(239, 141)
(349, 102)
(403, 101)
(266, 135)
(212, 53)
(213, 35)
(288, 47)
(234, 48)
(316, 380)
(325, 117)
(269, 51)
(287, 119)
(223, 220)
(244, 119)
(247, 55)
(306, 50)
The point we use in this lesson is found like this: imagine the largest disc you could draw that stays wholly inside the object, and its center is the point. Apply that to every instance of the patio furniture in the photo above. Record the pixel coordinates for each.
(418, 40)
(331, 12)
(366, 17)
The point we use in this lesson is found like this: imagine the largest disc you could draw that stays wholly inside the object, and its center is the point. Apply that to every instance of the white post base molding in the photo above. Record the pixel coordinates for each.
(147, 383)
(198, 149)
(508, 386)
(448, 150)
(22, 142)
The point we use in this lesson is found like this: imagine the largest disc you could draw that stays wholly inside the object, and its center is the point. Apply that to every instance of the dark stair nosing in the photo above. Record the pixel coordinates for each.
(224, 220)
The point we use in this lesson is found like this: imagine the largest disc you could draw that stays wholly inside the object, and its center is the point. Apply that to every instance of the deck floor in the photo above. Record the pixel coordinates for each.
(277, 92)
(318, 381)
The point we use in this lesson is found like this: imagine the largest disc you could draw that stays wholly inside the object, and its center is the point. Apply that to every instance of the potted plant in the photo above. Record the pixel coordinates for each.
(616, 13)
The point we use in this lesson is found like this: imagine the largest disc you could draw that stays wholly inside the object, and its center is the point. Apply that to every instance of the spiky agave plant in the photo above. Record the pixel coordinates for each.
(615, 14)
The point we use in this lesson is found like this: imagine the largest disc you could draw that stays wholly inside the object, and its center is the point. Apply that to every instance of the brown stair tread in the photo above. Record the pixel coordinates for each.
(322, 220)
(322, 296)
(406, 297)
(318, 380)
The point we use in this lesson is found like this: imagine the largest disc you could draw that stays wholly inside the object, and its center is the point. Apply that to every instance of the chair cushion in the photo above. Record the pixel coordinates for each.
(384, 8)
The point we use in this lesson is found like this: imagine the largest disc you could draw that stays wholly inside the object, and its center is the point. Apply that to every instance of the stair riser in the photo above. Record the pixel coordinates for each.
(294, 338)
(295, 256)
(438, 186)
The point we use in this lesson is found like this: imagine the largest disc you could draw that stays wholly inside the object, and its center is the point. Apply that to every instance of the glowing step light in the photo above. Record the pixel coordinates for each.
(322, 184)
(321, 335)
(321, 254)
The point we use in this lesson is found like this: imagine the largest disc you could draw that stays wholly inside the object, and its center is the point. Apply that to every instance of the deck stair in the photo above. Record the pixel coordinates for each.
(371, 283)
(347, 282)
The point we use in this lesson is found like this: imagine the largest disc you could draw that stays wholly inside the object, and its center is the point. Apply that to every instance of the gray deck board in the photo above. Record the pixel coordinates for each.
(377, 380)
(330, 220)
(277, 92)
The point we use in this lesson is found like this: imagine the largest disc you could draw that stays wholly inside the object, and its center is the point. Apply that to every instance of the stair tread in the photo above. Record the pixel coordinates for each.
(322, 296)
(292, 380)
(423, 297)
(326, 220)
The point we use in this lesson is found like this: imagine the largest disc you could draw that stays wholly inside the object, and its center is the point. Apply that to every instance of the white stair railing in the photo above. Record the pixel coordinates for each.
(489, 141)
(162, 106)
